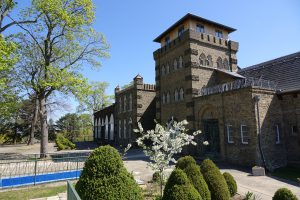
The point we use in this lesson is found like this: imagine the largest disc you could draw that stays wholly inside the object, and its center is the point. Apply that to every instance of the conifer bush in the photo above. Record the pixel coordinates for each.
(284, 194)
(215, 181)
(231, 183)
(178, 187)
(105, 177)
(195, 176)
(183, 162)
(63, 143)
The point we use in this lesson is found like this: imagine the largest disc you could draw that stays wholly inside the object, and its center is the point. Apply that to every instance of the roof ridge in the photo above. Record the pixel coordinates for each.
(285, 58)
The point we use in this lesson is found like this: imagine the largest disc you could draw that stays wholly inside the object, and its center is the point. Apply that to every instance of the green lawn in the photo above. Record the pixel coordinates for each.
(33, 192)
(288, 173)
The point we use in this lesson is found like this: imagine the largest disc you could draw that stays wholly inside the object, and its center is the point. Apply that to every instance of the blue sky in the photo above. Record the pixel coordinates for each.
(266, 29)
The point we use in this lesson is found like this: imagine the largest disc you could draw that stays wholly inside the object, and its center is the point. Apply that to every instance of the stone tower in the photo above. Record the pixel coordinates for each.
(191, 52)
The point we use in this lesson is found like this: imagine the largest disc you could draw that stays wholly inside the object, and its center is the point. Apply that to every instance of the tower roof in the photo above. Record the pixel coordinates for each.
(191, 16)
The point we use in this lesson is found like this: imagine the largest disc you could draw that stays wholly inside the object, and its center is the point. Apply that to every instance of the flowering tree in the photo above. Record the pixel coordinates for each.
(165, 143)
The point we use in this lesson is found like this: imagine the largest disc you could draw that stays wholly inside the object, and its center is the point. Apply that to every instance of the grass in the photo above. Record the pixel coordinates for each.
(288, 173)
(33, 192)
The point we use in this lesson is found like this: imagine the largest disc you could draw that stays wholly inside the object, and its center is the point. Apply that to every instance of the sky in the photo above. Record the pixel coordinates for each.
(266, 29)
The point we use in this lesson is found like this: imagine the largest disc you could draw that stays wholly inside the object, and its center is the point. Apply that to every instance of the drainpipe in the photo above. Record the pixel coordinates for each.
(256, 99)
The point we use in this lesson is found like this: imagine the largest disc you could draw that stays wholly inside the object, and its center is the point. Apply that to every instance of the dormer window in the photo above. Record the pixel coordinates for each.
(219, 34)
(180, 31)
(200, 28)
(167, 40)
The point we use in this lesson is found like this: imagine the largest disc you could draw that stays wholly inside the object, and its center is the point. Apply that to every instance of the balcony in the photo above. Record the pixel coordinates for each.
(238, 84)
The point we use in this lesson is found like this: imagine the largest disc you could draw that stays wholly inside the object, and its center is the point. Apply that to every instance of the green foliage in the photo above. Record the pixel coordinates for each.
(284, 194)
(185, 161)
(178, 187)
(63, 143)
(105, 177)
(215, 180)
(156, 177)
(195, 176)
(231, 183)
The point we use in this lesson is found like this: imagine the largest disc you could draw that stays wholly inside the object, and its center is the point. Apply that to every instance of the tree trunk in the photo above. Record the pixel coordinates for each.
(34, 121)
(44, 125)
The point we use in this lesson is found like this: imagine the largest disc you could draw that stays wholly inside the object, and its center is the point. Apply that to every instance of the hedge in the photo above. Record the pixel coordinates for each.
(196, 178)
(284, 194)
(178, 187)
(215, 181)
(105, 177)
(231, 183)
(63, 143)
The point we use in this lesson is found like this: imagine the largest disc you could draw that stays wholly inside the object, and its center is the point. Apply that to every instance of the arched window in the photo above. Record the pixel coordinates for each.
(99, 128)
(181, 93)
(168, 97)
(163, 98)
(202, 59)
(209, 61)
(111, 124)
(130, 102)
(176, 95)
(125, 129)
(106, 127)
(163, 70)
(167, 69)
(219, 63)
(120, 104)
(175, 65)
(125, 104)
(120, 129)
(180, 62)
(225, 64)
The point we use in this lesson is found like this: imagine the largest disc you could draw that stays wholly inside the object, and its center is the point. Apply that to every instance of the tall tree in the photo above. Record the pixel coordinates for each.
(56, 48)
(96, 98)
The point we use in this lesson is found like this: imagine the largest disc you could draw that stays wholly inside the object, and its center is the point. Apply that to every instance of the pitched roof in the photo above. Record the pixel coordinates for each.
(191, 16)
(233, 74)
(285, 71)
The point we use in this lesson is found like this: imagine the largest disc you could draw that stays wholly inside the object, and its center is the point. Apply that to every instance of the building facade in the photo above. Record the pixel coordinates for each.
(249, 116)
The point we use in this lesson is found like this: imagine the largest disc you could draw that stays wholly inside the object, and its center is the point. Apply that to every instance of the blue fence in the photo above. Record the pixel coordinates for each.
(38, 179)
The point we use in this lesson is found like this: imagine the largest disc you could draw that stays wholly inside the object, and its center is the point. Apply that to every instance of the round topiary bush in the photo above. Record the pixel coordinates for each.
(215, 181)
(231, 183)
(183, 162)
(284, 194)
(178, 187)
(105, 177)
(196, 178)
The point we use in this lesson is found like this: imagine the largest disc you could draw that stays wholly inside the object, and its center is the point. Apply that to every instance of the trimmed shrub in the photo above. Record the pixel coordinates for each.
(195, 176)
(231, 183)
(178, 187)
(215, 181)
(63, 143)
(105, 177)
(284, 194)
(183, 162)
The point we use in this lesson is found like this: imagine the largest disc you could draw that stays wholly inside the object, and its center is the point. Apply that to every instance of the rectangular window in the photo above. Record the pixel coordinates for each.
(167, 40)
(229, 133)
(180, 31)
(200, 28)
(294, 130)
(120, 129)
(219, 34)
(125, 131)
(244, 134)
(277, 134)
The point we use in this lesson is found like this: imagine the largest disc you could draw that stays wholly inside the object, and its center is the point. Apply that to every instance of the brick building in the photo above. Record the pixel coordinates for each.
(249, 116)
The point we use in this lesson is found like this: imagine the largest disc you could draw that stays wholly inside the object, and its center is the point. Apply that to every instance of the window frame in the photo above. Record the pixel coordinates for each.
(218, 33)
(180, 31)
(200, 28)
(229, 141)
(242, 134)
(167, 40)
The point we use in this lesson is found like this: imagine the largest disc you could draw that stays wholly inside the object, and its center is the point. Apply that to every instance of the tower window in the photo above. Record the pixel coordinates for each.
(167, 69)
(181, 93)
(277, 134)
(229, 133)
(175, 64)
(244, 134)
(200, 28)
(176, 95)
(167, 40)
(168, 97)
(180, 31)
(180, 62)
(219, 34)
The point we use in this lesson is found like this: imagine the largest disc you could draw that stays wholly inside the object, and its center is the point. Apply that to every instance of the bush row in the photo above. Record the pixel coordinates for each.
(63, 143)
